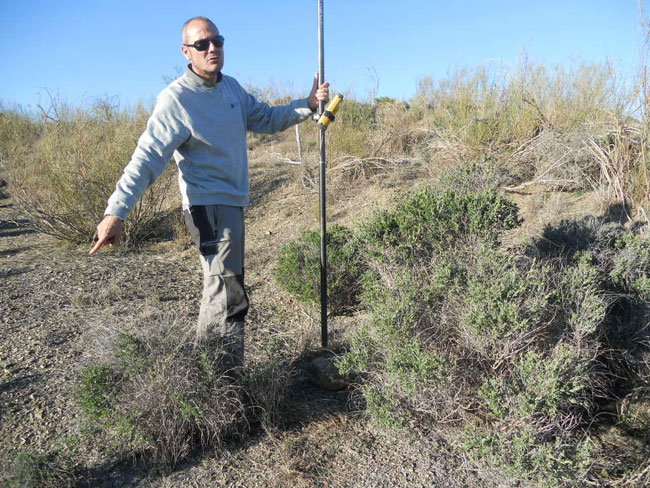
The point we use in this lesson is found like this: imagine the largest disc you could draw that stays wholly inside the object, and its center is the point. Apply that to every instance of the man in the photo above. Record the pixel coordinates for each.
(201, 119)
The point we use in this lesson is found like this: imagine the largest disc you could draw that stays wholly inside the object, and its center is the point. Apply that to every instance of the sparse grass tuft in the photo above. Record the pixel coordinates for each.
(151, 392)
(53, 469)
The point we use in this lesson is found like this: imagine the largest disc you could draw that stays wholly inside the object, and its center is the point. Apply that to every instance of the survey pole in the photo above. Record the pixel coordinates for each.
(322, 186)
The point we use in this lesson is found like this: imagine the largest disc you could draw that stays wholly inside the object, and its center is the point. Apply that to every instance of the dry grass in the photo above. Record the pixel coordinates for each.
(567, 128)
(163, 396)
(63, 168)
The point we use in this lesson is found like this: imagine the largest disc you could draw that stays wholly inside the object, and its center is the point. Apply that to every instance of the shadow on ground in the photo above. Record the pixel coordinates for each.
(18, 383)
(14, 228)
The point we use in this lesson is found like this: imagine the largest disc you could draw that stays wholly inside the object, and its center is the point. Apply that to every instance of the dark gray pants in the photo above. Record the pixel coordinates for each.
(218, 231)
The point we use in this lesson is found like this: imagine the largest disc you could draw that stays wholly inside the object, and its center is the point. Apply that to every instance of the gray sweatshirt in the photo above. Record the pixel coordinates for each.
(204, 127)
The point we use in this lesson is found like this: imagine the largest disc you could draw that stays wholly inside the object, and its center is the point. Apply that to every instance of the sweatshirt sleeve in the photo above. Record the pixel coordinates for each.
(260, 117)
(164, 133)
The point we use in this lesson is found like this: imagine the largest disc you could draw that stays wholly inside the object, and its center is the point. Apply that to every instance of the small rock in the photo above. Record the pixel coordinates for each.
(635, 409)
(322, 372)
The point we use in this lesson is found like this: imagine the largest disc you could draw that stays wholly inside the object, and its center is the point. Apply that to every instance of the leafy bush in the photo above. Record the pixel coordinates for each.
(547, 397)
(98, 386)
(403, 348)
(631, 269)
(518, 451)
(503, 298)
(428, 222)
(298, 268)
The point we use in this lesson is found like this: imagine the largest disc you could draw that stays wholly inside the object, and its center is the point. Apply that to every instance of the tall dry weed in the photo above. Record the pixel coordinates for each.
(63, 168)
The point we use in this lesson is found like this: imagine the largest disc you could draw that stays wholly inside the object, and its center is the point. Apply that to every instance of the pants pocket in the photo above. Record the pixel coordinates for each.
(212, 265)
(218, 232)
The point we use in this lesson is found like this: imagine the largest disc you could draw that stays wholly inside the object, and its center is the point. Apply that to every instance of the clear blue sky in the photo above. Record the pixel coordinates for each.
(82, 50)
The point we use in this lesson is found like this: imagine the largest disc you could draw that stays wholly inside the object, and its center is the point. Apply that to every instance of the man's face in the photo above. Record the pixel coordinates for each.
(204, 63)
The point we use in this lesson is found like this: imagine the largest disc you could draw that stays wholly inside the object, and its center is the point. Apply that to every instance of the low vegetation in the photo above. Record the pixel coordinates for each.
(150, 393)
(523, 351)
(54, 469)
(298, 268)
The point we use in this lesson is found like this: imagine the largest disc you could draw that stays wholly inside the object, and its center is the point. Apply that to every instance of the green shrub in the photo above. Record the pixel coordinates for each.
(428, 222)
(520, 348)
(384, 408)
(395, 308)
(528, 459)
(503, 298)
(98, 386)
(541, 388)
(402, 347)
(584, 297)
(298, 268)
(412, 367)
(631, 269)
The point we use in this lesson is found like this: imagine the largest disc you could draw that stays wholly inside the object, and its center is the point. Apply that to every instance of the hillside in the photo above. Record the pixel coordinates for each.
(55, 297)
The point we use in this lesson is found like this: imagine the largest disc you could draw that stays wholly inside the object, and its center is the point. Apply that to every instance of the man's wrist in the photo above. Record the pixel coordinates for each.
(113, 215)
(116, 210)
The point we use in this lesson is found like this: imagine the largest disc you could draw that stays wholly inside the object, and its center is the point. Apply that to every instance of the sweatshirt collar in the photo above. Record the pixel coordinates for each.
(199, 80)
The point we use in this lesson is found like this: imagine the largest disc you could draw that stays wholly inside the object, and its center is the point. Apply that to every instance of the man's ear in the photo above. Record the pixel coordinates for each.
(186, 52)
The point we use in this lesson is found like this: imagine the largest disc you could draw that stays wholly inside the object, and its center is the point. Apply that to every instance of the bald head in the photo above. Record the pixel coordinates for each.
(206, 59)
(199, 20)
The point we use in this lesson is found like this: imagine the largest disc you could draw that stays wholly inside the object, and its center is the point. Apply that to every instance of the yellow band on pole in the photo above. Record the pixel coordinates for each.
(328, 115)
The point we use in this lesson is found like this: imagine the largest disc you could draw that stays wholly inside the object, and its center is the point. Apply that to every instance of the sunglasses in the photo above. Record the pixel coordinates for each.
(204, 44)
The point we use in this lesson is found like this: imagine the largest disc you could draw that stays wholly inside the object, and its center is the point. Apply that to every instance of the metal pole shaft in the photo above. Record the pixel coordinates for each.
(322, 190)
